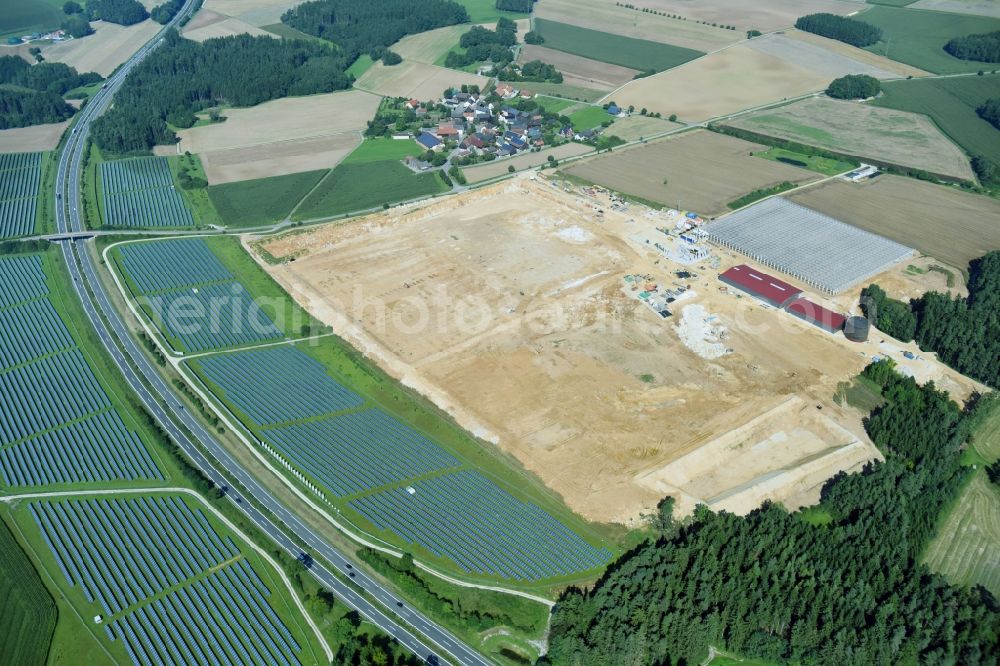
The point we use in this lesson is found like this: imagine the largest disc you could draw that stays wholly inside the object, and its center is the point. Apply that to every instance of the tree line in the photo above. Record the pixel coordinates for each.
(963, 331)
(850, 31)
(520, 6)
(358, 27)
(990, 111)
(854, 86)
(772, 585)
(983, 48)
(35, 92)
(183, 77)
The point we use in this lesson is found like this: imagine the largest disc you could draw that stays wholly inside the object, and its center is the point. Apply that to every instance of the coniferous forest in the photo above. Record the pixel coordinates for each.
(983, 48)
(35, 95)
(848, 589)
(850, 31)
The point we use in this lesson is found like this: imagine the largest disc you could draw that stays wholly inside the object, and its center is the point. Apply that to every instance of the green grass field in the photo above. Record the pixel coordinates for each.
(483, 11)
(589, 117)
(23, 17)
(638, 54)
(824, 165)
(987, 438)
(360, 66)
(29, 612)
(356, 187)
(555, 104)
(951, 103)
(198, 201)
(252, 203)
(381, 149)
(917, 37)
(892, 3)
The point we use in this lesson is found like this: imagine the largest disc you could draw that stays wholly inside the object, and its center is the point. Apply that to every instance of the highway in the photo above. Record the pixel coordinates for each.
(185, 430)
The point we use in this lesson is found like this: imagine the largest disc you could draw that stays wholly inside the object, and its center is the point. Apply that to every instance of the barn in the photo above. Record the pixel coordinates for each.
(769, 289)
(817, 315)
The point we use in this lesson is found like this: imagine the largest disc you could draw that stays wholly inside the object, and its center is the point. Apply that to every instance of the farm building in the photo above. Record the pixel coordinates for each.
(817, 315)
(823, 252)
(769, 289)
(865, 171)
(429, 141)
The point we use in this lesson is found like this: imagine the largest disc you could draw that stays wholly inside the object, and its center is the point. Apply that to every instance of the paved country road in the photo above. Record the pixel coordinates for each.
(411, 628)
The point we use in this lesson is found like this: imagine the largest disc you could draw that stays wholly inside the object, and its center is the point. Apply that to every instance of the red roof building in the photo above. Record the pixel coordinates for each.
(769, 289)
(816, 314)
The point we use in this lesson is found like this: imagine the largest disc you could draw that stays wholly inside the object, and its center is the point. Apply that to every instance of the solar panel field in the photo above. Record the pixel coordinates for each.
(20, 178)
(192, 297)
(139, 192)
(58, 424)
(170, 587)
(388, 473)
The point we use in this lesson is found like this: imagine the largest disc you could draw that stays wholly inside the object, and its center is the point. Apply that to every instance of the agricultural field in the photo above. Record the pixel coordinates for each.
(702, 171)
(496, 168)
(190, 293)
(911, 212)
(577, 70)
(485, 11)
(582, 93)
(430, 47)
(19, 18)
(30, 615)
(109, 46)
(897, 137)
(827, 166)
(637, 54)
(151, 566)
(379, 149)
(222, 18)
(967, 546)
(369, 459)
(59, 425)
(720, 84)
(251, 203)
(980, 7)
(505, 307)
(951, 103)
(280, 137)
(32, 139)
(815, 57)
(865, 58)
(359, 186)
(773, 15)
(20, 179)
(607, 16)
(140, 193)
(637, 127)
(589, 117)
(414, 79)
(918, 37)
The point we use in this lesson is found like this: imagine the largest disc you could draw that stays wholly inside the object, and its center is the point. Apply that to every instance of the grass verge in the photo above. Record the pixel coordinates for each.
(196, 198)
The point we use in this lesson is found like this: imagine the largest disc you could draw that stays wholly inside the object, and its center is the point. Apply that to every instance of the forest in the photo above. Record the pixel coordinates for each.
(362, 26)
(854, 86)
(33, 94)
(983, 48)
(990, 111)
(481, 44)
(964, 332)
(123, 12)
(840, 585)
(534, 70)
(163, 13)
(520, 6)
(850, 31)
(183, 77)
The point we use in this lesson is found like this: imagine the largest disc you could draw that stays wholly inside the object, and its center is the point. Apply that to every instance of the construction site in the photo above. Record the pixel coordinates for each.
(613, 349)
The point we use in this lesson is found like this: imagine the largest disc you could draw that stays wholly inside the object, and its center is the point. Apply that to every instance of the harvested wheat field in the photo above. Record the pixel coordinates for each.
(507, 307)
(414, 79)
(764, 16)
(636, 127)
(496, 168)
(702, 171)
(720, 84)
(941, 221)
(102, 52)
(834, 46)
(897, 137)
(31, 139)
(227, 27)
(428, 47)
(980, 7)
(282, 136)
(254, 12)
(578, 70)
(606, 16)
(815, 57)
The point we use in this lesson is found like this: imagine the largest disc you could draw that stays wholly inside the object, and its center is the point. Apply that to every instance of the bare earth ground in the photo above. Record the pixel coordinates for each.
(764, 16)
(899, 137)
(507, 307)
(941, 221)
(701, 170)
(636, 127)
(414, 79)
(226, 28)
(718, 84)
(815, 57)
(31, 139)
(499, 167)
(102, 52)
(282, 136)
(578, 70)
(603, 15)
(855, 54)
(982, 7)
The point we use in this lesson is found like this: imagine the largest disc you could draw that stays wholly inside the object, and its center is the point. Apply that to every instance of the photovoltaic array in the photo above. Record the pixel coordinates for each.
(390, 473)
(193, 297)
(20, 178)
(57, 425)
(139, 192)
